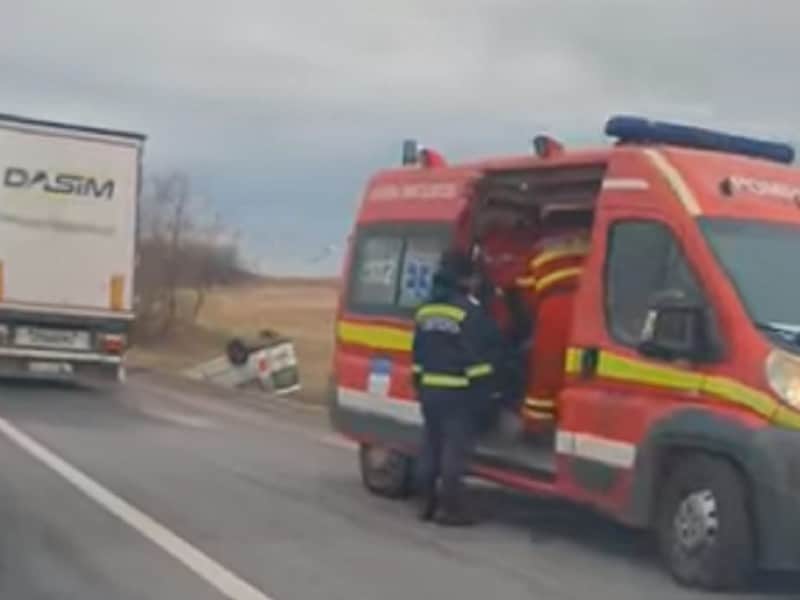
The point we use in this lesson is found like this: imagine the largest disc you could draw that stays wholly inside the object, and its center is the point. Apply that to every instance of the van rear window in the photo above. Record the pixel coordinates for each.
(393, 268)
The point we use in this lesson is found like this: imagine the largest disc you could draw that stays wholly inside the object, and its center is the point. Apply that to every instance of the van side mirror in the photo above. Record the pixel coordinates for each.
(676, 329)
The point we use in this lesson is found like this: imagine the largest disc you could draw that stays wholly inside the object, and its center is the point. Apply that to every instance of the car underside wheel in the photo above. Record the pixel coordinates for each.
(237, 352)
(386, 472)
(704, 529)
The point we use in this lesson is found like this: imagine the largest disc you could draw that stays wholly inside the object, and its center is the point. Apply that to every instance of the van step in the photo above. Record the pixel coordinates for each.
(533, 453)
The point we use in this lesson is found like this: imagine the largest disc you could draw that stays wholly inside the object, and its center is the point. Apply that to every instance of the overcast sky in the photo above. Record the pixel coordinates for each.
(280, 110)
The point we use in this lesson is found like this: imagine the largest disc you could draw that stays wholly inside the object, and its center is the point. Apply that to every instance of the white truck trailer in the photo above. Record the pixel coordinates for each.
(68, 214)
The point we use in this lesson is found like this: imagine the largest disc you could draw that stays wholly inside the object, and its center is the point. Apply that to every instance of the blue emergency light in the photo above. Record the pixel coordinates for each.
(636, 130)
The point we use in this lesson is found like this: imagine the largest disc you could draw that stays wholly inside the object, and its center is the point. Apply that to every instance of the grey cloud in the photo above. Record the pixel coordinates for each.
(316, 60)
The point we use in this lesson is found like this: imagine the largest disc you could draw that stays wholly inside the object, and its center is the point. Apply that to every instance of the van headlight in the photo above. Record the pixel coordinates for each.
(783, 376)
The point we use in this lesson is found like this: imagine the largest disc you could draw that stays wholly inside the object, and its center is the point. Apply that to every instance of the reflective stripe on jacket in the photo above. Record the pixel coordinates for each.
(452, 344)
(557, 262)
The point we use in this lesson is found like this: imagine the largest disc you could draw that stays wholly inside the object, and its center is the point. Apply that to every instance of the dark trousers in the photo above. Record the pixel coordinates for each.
(448, 438)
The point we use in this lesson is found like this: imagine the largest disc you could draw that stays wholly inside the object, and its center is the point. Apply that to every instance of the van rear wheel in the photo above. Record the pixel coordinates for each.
(385, 472)
(704, 529)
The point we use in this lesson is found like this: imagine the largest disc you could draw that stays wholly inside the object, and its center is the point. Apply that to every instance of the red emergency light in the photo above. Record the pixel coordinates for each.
(431, 159)
(415, 154)
(547, 147)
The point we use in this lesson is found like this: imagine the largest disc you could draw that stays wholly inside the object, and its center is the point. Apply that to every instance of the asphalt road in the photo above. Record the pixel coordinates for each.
(150, 492)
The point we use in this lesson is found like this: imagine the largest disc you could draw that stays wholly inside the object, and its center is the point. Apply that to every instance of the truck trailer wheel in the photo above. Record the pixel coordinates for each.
(385, 472)
(703, 526)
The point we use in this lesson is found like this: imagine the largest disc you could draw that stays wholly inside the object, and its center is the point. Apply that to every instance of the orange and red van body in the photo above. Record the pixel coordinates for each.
(622, 416)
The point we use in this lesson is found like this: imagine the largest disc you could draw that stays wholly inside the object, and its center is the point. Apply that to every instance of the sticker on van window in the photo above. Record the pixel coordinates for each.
(418, 280)
(379, 271)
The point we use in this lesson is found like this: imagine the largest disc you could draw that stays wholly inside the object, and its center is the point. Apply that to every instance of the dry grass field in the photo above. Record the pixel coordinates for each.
(300, 309)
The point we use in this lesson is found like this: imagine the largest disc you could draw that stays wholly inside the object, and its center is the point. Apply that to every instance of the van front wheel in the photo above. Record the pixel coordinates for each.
(704, 529)
(385, 472)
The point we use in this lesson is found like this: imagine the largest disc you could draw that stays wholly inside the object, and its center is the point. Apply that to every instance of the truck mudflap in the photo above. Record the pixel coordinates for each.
(768, 459)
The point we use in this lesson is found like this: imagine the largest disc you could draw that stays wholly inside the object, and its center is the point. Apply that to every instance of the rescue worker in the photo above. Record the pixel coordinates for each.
(506, 253)
(555, 270)
(452, 353)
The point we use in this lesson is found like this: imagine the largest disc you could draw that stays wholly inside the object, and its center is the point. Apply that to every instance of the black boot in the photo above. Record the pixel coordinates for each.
(428, 506)
(455, 515)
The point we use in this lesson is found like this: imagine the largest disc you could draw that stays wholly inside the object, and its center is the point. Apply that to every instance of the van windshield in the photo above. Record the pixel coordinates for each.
(763, 261)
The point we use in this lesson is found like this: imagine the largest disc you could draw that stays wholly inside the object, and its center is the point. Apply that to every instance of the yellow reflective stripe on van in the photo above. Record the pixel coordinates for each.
(787, 417)
(479, 370)
(675, 181)
(634, 371)
(444, 381)
(574, 359)
(628, 370)
(441, 310)
(377, 337)
(733, 391)
(556, 277)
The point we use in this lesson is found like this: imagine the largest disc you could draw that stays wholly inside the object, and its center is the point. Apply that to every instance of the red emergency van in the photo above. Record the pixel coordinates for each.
(678, 400)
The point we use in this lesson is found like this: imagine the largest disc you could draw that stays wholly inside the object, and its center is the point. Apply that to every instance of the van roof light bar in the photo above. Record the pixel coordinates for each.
(637, 130)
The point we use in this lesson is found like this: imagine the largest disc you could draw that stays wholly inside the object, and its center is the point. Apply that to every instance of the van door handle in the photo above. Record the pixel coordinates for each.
(589, 359)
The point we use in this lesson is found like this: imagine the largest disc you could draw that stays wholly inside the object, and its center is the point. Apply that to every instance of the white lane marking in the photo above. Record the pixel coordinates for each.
(191, 421)
(220, 578)
(251, 415)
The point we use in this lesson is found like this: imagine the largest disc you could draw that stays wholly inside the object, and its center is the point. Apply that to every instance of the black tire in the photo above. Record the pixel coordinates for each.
(237, 352)
(704, 529)
(385, 472)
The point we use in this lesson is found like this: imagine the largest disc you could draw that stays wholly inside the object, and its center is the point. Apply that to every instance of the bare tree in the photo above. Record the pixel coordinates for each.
(163, 223)
(209, 268)
(176, 197)
(179, 248)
